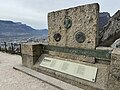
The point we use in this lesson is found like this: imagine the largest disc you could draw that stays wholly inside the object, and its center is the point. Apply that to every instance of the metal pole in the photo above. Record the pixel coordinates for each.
(20, 49)
(12, 48)
(5, 46)
(0, 48)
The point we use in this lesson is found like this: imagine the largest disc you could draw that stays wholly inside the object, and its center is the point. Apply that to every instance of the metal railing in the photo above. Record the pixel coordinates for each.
(13, 48)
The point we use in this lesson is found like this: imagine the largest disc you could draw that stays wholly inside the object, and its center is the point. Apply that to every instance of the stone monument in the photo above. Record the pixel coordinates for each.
(71, 54)
(75, 27)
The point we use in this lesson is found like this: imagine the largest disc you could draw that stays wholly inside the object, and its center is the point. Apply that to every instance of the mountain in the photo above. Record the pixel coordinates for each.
(111, 30)
(12, 29)
(103, 19)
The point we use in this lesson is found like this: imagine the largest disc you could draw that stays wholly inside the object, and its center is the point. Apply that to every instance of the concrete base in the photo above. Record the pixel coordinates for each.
(99, 84)
(55, 82)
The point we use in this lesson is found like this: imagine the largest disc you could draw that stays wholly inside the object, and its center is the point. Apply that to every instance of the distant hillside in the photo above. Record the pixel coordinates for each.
(10, 28)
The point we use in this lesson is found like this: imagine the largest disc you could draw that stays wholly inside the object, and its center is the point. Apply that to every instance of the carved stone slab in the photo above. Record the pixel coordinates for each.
(74, 27)
(70, 21)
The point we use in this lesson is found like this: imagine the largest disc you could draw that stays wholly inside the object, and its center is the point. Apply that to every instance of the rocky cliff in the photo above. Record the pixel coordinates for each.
(111, 31)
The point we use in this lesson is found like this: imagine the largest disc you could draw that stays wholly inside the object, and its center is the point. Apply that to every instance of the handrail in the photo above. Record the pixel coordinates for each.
(103, 54)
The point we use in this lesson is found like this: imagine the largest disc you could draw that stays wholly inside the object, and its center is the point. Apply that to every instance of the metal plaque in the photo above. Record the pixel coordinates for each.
(57, 37)
(71, 68)
(80, 37)
(106, 54)
(67, 22)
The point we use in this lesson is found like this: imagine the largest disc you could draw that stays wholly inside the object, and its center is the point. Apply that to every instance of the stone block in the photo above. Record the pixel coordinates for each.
(33, 49)
(114, 75)
(30, 53)
(104, 48)
(84, 19)
(81, 20)
(28, 60)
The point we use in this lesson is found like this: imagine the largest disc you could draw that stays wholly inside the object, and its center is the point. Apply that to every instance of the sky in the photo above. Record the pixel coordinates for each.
(34, 12)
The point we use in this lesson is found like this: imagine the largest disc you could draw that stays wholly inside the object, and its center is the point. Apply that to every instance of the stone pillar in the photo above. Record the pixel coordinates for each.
(114, 75)
(30, 53)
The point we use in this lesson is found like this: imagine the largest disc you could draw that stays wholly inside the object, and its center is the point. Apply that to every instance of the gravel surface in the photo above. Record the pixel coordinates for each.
(11, 79)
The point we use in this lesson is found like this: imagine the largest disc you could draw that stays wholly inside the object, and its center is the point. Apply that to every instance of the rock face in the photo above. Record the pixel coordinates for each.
(111, 30)
(116, 44)
(10, 29)
(103, 20)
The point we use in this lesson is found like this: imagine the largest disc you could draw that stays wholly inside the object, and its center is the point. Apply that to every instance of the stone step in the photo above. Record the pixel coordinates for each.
(55, 82)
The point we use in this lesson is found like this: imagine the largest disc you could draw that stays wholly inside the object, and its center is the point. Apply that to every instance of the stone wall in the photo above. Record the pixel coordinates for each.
(82, 19)
(114, 73)
(108, 76)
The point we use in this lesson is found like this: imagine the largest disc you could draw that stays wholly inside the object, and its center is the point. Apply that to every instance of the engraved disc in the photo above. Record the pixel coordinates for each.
(67, 23)
(80, 37)
(57, 37)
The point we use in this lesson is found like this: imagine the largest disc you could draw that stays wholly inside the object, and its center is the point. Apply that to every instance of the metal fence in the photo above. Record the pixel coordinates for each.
(13, 48)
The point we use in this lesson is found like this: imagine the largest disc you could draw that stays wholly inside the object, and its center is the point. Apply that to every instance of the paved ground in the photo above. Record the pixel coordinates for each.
(11, 79)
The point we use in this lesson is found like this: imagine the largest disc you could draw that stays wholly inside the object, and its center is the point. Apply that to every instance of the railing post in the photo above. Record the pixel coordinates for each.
(20, 49)
(0, 48)
(5, 46)
(12, 48)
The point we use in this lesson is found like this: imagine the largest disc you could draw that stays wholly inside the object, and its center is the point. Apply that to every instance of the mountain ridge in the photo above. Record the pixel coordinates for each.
(10, 28)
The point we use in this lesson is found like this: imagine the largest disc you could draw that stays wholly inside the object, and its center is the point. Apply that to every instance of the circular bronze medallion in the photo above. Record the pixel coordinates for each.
(67, 23)
(57, 37)
(80, 37)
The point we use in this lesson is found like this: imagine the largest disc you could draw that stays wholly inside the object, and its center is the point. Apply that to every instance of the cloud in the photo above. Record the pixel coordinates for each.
(34, 12)
(31, 12)
(19, 12)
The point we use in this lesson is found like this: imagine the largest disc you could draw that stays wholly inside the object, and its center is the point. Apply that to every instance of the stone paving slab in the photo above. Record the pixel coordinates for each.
(11, 79)
(48, 79)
